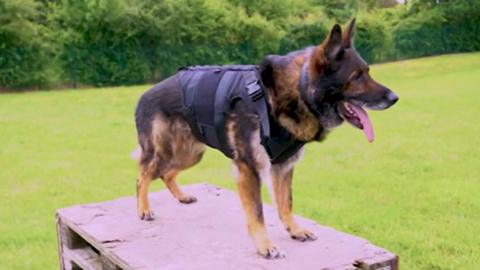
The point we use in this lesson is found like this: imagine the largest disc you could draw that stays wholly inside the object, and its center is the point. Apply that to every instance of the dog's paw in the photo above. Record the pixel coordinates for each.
(146, 215)
(188, 199)
(303, 235)
(271, 252)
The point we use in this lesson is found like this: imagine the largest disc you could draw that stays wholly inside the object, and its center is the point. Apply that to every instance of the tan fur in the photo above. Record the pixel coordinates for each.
(186, 150)
(174, 139)
(286, 91)
(248, 186)
(143, 182)
(282, 185)
(231, 128)
(170, 181)
(249, 177)
(175, 149)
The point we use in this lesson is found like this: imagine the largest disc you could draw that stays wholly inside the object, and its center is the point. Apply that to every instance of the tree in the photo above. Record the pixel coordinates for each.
(25, 46)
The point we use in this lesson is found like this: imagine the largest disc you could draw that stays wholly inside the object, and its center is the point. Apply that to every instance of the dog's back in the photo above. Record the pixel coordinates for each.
(165, 98)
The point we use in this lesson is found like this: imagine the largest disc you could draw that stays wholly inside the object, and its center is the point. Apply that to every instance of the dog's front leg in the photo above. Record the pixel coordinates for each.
(249, 185)
(282, 187)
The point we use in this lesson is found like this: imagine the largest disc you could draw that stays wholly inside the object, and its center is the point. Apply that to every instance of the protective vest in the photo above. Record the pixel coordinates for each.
(209, 92)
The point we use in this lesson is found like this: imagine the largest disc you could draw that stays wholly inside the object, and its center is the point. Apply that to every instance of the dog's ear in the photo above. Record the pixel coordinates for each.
(349, 34)
(329, 53)
(266, 71)
(333, 46)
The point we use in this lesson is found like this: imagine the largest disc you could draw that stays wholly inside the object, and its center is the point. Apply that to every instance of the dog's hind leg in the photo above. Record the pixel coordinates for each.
(153, 158)
(170, 181)
(184, 151)
(282, 187)
(143, 181)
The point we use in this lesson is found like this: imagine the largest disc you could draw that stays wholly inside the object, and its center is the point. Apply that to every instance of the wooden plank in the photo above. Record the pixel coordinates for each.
(386, 261)
(74, 251)
(210, 234)
(60, 244)
(106, 259)
(85, 258)
(107, 264)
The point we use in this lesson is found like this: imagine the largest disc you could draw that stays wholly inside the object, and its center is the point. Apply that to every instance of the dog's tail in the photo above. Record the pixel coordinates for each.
(137, 153)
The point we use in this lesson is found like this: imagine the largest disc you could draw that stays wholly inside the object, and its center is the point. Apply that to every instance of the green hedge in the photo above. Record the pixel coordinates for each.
(302, 35)
(100, 42)
(372, 38)
(448, 27)
(419, 35)
(26, 49)
(121, 42)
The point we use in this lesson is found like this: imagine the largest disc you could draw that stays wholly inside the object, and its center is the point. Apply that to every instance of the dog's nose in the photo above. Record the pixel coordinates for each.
(392, 97)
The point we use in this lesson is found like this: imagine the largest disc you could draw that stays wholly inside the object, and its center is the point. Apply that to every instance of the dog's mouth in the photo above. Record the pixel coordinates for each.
(358, 117)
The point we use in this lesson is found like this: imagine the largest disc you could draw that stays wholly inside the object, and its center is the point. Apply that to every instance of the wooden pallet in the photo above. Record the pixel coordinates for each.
(210, 234)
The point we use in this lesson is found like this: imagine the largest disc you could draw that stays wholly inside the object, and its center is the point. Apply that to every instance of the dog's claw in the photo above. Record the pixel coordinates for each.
(147, 216)
(188, 199)
(303, 236)
(272, 253)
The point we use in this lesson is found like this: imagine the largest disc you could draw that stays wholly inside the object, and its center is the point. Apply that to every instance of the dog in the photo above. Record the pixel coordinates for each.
(295, 99)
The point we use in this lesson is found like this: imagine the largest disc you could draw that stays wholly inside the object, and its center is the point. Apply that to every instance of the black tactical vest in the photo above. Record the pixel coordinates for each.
(210, 91)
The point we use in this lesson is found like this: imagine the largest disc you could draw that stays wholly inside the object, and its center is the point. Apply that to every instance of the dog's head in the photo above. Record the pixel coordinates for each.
(339, 85)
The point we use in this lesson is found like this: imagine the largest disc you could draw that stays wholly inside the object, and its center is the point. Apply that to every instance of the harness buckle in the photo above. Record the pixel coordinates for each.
(254, 91)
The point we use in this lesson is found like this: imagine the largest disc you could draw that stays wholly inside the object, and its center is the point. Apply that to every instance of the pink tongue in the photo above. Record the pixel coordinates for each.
(367, 125)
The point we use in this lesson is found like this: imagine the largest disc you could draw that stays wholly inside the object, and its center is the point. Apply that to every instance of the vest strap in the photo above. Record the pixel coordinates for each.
(259, 100)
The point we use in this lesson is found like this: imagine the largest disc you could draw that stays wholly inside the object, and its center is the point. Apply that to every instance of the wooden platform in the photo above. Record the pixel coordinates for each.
(210, 234)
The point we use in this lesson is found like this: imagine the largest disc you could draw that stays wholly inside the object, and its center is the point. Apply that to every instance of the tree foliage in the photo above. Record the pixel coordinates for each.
(25, 45)
(118, 42)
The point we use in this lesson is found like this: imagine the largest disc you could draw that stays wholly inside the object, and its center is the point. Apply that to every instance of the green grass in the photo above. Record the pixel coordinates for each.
(415, 191)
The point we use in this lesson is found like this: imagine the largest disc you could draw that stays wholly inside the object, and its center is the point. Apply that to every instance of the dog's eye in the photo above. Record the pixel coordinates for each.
(359, 75)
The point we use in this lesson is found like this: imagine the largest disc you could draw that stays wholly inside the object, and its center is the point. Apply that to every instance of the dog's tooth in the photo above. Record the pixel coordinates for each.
(350, 110)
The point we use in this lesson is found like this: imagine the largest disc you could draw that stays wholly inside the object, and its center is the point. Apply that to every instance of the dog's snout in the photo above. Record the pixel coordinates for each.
(384, 101)
(392, 97)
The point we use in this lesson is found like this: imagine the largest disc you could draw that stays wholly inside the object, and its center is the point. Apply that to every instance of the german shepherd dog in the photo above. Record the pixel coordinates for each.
(337, 88)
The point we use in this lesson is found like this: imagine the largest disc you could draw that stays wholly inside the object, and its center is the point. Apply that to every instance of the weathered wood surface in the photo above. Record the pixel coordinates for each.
(210, 234)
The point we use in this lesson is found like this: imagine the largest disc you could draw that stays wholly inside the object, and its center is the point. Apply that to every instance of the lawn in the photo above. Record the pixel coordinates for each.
(414, 191)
